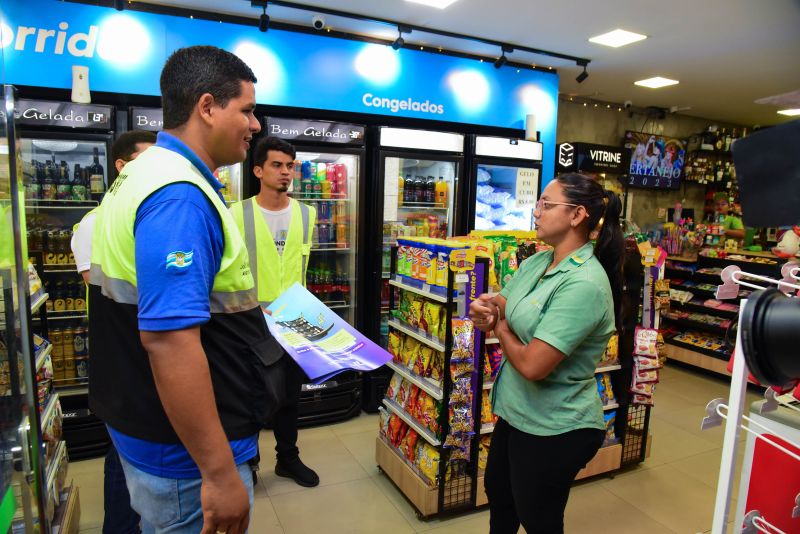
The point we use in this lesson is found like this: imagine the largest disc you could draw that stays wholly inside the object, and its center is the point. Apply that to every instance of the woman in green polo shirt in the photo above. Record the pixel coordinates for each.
(553, 319)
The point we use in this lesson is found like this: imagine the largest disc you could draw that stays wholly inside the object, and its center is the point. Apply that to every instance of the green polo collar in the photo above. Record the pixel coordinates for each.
(574, 260)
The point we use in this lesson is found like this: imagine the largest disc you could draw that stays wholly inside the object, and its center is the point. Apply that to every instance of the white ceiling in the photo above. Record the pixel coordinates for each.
(726, 53)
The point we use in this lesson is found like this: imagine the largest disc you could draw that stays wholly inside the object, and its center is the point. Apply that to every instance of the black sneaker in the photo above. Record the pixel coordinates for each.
(297, 471)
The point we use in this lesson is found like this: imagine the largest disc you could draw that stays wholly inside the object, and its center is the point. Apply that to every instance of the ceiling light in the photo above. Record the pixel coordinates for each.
(655, 83)
(441, 4)
(790, 112)
(499, 62)
(263, 20)
(582, 76)
(399, 42)
(617, 38)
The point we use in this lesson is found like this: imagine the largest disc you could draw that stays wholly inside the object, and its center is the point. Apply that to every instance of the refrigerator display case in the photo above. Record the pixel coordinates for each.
(328, 175)
(33, 465)
(504, 182)
(420, 172)
(65, 151)
(231, 176)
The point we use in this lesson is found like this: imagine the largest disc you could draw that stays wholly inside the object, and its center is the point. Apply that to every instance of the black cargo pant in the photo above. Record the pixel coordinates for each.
(528, 477)
(284, 421)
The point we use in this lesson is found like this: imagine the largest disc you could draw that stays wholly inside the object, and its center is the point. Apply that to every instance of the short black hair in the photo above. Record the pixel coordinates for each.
(193, 71)
(125, 145)
(265, 144)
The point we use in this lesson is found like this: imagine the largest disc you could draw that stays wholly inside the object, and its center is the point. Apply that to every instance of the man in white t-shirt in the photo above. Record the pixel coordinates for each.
(277, 231)
(125, 149)
(119, 516)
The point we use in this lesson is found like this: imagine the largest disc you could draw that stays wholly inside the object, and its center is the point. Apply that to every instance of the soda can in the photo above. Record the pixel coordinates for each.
(307, 185)
(322, 171)
(79, 340)
(324, 233)
(341, 235)
(341, 179)
(325, 189)
(324, 213)
(57, 339)
(81, 367)
(305, 171)
(68, 340)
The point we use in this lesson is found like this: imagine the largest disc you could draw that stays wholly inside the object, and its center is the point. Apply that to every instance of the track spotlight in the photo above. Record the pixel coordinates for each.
(582, 76)
(502, 60)
(263, 20)
(119, 5)
(399, 42)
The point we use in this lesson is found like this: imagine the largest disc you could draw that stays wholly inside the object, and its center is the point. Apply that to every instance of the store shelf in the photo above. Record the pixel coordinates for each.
(487, 428)
(36, 304)
(722, 356)
(386, 276)
(417, 334)
(426, 434)
(429, 386)
(610, 406)
(53, 268)
(337, 305)
(489, 384)
(421, 206)
(49, 410)
(607, 368)
(61, 204)
(424, 290)
(54, 316)
(52, 466)
(706, 327)
(42, 356)
(691, 289)
(318, 248)
(688, 306)
(71, 390)
(492, 341)
(423, 496)
(607, 459)
(304, 198)
(697, 359)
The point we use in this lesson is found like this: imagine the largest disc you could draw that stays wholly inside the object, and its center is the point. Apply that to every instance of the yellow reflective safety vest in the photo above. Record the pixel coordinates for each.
(275, 273)
(122, 391)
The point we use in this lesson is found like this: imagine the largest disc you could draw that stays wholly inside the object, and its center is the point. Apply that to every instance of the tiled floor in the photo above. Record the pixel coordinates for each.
(672, 492)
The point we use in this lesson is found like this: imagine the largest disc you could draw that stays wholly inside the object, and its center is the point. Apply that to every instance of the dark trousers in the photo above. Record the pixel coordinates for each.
(284, 422)
(119, 518)
(528, 477)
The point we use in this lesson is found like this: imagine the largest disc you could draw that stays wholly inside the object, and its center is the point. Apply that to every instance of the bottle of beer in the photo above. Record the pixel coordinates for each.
(49, 187)
(97, 175)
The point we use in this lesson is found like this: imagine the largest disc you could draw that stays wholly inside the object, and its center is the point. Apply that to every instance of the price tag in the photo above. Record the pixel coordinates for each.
(462, 261)
(527, 187)
(462, 278)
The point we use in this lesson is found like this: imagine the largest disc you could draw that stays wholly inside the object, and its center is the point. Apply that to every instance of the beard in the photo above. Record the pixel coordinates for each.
(283, 188)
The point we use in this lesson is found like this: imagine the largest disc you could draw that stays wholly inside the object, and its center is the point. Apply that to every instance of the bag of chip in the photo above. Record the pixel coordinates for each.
(461, 419)
(483, 451)
(646, 390)
(463, 338)
(397, 429)
(413, 397)
(415, 313)
(430, 318)
(643, 363)
(409, 443)
(462, 391)
(437, 366)
(412, 357)
(395, 345)
(394, 386)
(443, 325)
(645, 342)
(428, 413)
(487, 417)
(422, 366)
(610, 417)
(460, 369)
(404, 306)
(384, 417)
(642, 400)
(428, 461)
(410, 347)
(402, 393)
(495, 354)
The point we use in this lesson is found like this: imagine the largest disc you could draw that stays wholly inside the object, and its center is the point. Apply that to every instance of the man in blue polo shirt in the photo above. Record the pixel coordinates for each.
(174, 307)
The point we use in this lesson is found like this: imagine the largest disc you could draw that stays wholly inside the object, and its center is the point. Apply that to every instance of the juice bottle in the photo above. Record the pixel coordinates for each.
(441, 193)
(297, 177)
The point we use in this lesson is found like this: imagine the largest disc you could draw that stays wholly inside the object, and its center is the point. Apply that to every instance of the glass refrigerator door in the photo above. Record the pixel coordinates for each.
(418, 201)
(231, 177)
(505, 196)
(64, 170)
(328, 182)
(20, 459)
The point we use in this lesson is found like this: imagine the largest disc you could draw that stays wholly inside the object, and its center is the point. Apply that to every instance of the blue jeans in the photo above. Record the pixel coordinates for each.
(170, 505)
(119, 516)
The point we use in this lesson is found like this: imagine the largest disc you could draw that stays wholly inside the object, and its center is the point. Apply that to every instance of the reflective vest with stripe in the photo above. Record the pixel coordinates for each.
(122, 391)
(275, 273)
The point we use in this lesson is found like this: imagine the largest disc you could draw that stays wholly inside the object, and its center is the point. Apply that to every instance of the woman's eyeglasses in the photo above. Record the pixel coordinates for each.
(547, 204)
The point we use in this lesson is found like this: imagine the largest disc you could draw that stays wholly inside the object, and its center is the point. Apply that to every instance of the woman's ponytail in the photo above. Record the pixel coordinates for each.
(610, 249)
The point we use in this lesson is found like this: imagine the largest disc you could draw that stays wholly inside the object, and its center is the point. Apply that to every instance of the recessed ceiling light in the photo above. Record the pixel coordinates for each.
(441, 4)
(655, 83)
(790, 112)
(617, 38)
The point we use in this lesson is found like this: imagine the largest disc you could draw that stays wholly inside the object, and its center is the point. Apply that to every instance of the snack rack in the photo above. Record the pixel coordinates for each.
(449, 483)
